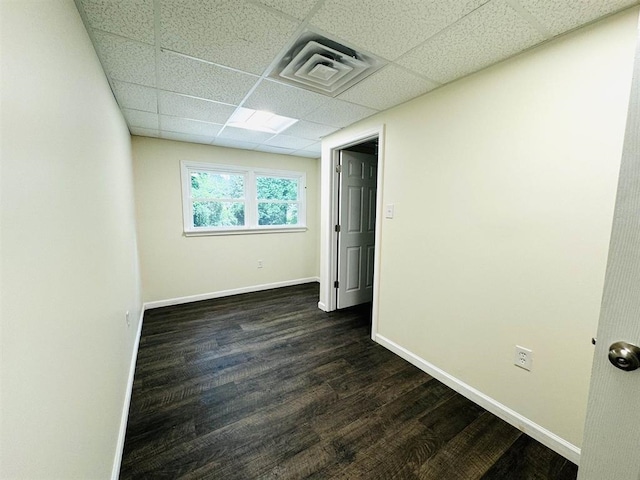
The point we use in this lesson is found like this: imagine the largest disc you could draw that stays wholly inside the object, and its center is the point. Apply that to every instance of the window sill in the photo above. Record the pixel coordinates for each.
(245, 231)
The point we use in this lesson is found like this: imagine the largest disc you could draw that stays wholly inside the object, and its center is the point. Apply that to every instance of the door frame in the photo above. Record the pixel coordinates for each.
(329, 189)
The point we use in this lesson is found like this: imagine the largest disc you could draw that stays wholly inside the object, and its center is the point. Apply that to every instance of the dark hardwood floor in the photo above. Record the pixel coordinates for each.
(265, 385)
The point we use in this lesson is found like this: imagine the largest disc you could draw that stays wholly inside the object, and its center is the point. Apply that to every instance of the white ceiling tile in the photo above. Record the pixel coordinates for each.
(128, 18)
(234, 33)
(284, 100)
(310, 130)
(380, 90)
(201, 79)
(190, 127)
(315, 147)
(227, 142)
(558, 16)
(126, 60)
(136, 118)
(194, 108)
(286, 141)
(391, 27)
(137, 97)
(296, 8)
(339, 113)
(144, 132)
(270, 149)
(306, 153)
(313, 150)
(185, 137)
(488, 35)
(244, 135)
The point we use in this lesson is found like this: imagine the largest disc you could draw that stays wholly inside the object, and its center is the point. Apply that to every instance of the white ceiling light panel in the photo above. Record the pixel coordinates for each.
(259, 120)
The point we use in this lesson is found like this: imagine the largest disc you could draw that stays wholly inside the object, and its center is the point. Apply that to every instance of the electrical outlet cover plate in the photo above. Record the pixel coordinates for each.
(523, 357)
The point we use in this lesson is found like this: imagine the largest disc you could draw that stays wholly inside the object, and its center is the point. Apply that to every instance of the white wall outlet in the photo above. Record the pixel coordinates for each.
(259, 263)
(389, 210)
(126, 316)
(523, 358)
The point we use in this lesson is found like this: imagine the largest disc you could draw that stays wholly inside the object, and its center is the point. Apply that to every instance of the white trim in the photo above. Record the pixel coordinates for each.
(245, 231)
(329, 217)
(228, 293)
(539, 433)
(117, 461)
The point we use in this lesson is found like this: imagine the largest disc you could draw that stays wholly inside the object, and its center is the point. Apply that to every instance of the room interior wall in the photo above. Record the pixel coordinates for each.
(175, 267)
(504, 185)
(69, 256)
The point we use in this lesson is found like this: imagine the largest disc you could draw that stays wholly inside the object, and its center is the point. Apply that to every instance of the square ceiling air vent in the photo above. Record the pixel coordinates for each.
(324, 66)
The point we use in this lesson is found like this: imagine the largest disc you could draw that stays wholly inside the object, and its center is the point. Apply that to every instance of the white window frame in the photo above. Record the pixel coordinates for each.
(250, 199)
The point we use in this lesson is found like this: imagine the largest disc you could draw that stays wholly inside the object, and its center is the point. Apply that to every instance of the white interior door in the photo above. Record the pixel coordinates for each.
(357, 221)
(611, 447)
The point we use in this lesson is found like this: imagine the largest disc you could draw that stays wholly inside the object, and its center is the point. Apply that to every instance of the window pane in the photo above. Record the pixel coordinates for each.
(273, 188)
(216, 185)
(218, 214)
(277, 213)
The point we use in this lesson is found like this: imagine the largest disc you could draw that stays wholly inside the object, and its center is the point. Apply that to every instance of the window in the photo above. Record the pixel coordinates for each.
(225, 199)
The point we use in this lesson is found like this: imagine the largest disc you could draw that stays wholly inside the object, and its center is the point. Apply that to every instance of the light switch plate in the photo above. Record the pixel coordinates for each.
(389, 210)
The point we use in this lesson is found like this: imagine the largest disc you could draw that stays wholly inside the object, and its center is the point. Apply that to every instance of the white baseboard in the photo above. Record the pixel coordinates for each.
(322, 307)
(117, 461)
(544, 436)
(228, 293)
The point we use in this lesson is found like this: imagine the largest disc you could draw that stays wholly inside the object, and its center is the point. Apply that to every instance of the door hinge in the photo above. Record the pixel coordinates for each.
(338, 168)
(336, 284)
(337, 229)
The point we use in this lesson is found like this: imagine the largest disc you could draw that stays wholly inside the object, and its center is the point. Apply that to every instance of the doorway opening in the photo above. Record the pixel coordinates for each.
(351, 192)
(355, 231)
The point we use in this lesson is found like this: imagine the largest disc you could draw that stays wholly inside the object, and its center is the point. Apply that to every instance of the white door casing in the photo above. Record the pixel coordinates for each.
(611, 446)
(357, 221)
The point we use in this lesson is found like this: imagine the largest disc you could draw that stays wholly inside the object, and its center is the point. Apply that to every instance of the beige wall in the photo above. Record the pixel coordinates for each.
(69, 261)
(175, 266)
(504, 185)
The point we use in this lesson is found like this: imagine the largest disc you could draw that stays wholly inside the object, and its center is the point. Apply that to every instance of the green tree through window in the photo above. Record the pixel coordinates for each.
(216, 198)
(220, 198)
(277, 201)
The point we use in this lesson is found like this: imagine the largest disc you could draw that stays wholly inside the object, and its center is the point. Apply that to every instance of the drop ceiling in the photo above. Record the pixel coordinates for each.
(180, 68)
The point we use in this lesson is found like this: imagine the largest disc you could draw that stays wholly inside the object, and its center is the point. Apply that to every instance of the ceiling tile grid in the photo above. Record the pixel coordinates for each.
(272, 149)
(284, 100)
(488, 35)
(388, 87)
(242, 135)
(184, 137)
(296, 8)
(127, 60)
(190, 127)
(310, 130)
(204, 80)
(559, 16)
(392, 27)
(128, 18)
(287, 141)
(144, 132)
(232, 143)
(233, 33)
(183, 106)
(137, 97)
(338, 113)
(137, 118)
(180, 68)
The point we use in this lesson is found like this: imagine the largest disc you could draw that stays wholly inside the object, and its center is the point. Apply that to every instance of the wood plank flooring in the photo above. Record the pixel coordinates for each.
(265, 385)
